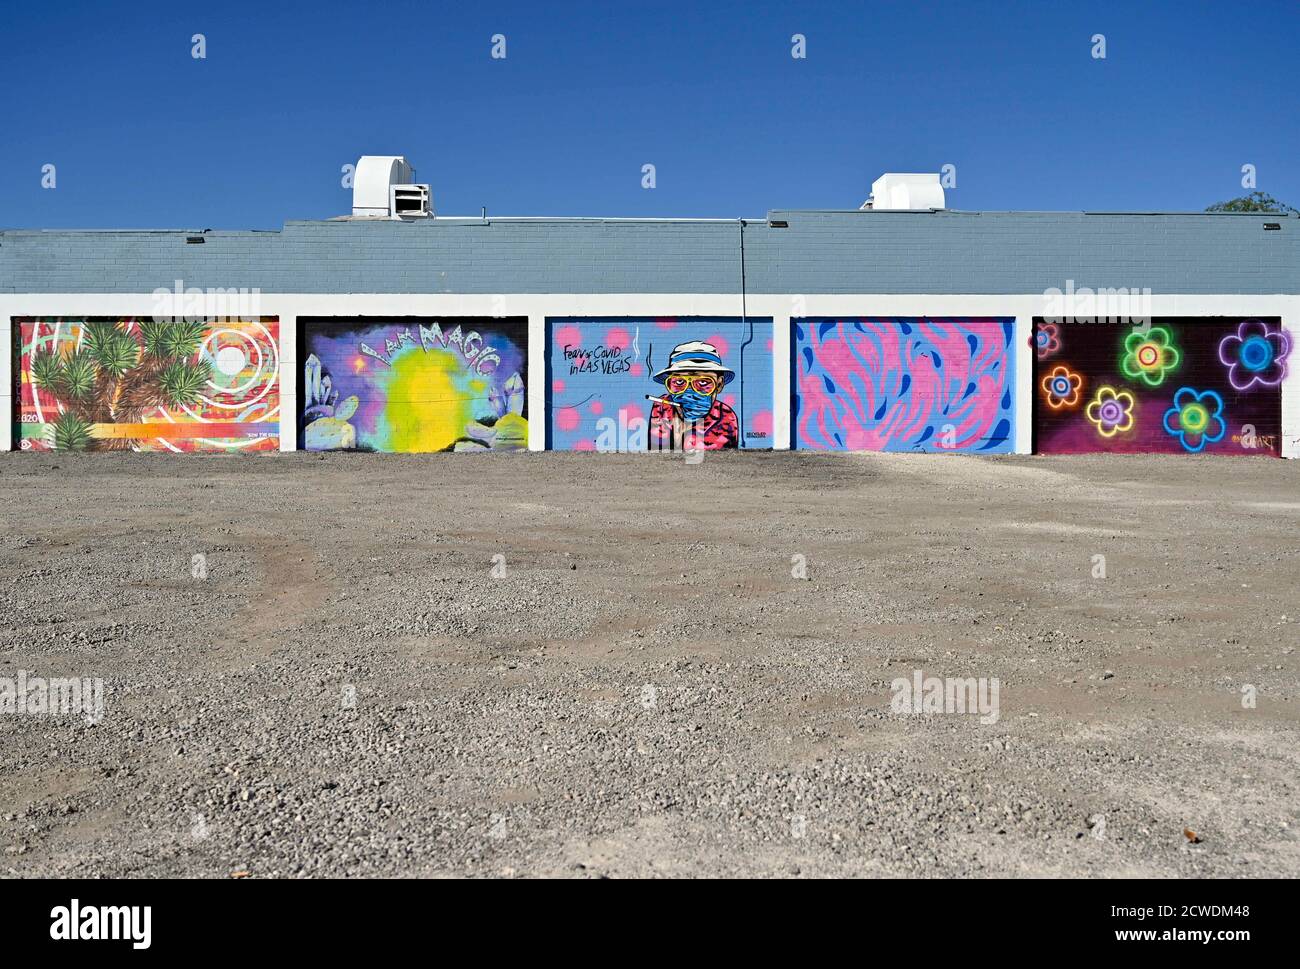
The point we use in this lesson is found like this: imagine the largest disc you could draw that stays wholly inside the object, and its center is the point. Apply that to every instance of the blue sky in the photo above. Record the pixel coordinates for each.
(144, 135)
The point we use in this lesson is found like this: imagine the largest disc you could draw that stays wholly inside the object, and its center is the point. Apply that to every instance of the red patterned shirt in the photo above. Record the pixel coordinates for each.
(718, 430)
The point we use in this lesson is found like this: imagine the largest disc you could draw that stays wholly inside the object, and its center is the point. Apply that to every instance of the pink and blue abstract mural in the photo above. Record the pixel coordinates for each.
(904, 384)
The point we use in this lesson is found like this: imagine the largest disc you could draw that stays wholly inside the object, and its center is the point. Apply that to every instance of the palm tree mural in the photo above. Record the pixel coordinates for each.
(116, 376)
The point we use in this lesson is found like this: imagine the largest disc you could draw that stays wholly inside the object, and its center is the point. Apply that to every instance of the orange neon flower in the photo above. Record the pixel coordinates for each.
(1062, 388)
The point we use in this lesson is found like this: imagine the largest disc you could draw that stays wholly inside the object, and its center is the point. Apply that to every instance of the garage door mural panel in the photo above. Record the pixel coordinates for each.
(904, 384)
(127, 384)
(1176, 385)
(413, 384)
(623, 384)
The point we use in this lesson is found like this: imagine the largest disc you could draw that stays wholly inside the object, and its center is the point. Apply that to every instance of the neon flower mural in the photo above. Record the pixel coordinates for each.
(1062, 388)
(1129, 378)
(1149, 356)
(1255, 354)
(1196, 418)
(1111, 411)
(1047, 339)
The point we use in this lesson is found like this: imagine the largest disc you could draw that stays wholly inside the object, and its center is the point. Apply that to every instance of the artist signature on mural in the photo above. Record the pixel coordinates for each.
(1252, 441)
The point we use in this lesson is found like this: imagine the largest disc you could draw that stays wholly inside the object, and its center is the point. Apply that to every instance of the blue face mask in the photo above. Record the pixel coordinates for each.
(695, 406)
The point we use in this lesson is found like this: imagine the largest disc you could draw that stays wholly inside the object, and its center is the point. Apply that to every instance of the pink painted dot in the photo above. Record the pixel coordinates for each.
(568, 336)
(630, 413)
(618, 338)
(666, 323)
(769, 344)
(584, 445)
(762, 422)
(557, 386)
(566, 418)
(597, 407)
(730, 400)
(720, 343)
(636, 370)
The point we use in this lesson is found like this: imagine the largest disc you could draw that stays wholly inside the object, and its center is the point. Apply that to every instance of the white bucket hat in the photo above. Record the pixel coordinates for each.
(695, 357)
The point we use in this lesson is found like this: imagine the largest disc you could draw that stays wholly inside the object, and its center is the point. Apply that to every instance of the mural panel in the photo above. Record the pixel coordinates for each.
(904, 384)
(413, 384)
(620, 384)
(1183, 386)
(125, 384)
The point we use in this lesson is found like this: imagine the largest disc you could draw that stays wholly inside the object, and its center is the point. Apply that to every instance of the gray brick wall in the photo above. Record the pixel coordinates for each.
(820, 252)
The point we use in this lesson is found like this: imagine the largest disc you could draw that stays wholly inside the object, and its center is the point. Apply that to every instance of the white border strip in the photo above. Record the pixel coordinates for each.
(1024, 354)
(287, 307)
(536, 387)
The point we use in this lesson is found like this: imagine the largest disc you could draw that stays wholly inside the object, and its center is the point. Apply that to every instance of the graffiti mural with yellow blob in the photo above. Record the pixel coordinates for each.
(413, 384)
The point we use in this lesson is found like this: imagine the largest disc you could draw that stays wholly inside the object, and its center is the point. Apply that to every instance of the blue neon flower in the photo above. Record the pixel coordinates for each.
(1196, 418)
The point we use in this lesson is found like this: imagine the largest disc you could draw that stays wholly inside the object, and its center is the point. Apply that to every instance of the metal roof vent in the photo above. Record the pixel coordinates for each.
(895, 190)
(410, 201)
(384, 187)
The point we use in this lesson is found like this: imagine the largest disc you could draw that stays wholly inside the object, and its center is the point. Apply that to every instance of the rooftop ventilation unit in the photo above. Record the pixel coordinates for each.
(896, 191)
(383, 187)
(409, 201)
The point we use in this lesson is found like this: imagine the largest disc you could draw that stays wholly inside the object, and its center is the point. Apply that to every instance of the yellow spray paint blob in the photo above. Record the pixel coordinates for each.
(425, 411)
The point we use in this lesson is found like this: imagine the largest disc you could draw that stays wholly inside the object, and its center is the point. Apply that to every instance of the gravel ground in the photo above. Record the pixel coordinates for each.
(355, 688)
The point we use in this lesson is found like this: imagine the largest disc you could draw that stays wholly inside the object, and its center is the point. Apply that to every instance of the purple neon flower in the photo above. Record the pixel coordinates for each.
(1255, 354)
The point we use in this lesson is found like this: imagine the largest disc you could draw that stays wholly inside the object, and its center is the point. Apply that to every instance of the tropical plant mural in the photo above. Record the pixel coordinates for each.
(125, 384)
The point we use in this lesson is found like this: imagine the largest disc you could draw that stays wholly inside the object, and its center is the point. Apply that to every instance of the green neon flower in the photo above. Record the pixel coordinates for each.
(1149, 356)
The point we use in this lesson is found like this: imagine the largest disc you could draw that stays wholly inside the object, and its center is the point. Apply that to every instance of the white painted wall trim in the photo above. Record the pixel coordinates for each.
(1024, 353)
(538, 306)
(782, 399)
(624, 304)
(536, 378)
(290, 372)
(1291, 386)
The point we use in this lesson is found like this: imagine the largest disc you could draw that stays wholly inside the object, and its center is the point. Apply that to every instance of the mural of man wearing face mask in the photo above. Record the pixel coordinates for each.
(689, 413)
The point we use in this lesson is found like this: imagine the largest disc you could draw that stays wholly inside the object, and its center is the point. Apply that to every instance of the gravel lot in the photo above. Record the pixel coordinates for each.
(647, 690)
